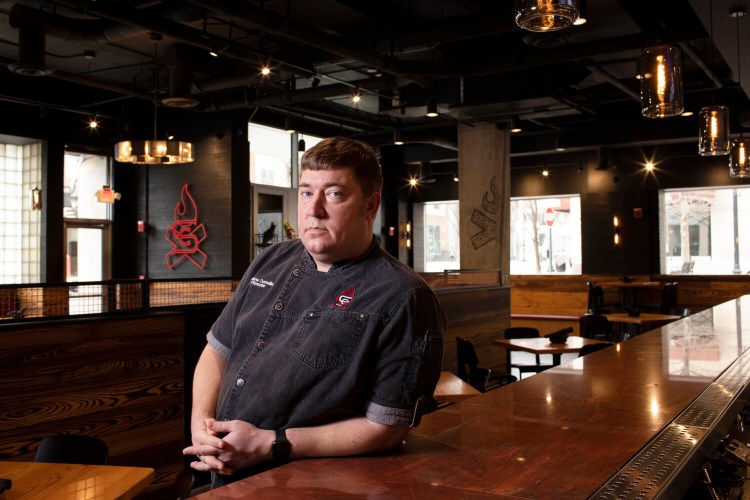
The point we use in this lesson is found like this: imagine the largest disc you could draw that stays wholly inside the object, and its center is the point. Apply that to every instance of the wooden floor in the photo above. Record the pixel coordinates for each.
(561, 434)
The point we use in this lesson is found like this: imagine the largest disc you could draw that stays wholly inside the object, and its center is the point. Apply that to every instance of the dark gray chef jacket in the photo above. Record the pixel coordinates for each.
(306, 348)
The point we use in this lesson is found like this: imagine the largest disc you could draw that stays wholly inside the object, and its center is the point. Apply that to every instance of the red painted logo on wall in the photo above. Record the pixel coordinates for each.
(185, 234)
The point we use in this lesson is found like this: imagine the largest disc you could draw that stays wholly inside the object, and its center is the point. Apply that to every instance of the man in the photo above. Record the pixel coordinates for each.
(329, 346)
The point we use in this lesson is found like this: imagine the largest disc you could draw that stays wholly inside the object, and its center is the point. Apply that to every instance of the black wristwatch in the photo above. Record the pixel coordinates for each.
(281, 447)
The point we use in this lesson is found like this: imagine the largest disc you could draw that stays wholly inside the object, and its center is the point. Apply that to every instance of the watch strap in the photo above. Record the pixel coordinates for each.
(281, 448)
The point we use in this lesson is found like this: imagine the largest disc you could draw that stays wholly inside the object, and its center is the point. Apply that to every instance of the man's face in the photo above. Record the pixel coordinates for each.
(335, 219)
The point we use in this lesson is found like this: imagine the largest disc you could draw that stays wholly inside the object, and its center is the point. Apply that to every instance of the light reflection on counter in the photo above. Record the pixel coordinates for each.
(703, 344)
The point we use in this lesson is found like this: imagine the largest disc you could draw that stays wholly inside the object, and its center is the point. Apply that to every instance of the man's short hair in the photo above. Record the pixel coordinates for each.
(342, 152)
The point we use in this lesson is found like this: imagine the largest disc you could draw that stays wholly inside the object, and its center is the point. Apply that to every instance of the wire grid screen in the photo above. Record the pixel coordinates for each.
(452, 279)
(69, 299)
(176, 293)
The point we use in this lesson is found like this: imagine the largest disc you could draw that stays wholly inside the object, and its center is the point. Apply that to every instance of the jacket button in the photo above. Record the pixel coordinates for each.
(296, 273)
(240, 382)
(261, 344)
(278, 306)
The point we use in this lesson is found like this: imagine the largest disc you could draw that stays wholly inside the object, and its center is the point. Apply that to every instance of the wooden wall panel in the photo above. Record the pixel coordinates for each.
(121, 380)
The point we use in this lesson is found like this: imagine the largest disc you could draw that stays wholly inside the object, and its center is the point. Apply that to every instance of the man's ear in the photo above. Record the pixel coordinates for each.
(373, 204)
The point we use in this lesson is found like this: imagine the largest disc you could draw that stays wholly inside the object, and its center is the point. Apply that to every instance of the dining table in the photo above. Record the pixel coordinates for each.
(641, 319)
(451, 389)
(542, 345)
(44, 481)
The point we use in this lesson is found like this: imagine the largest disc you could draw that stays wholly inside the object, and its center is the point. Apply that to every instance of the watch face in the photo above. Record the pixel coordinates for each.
(281, 450)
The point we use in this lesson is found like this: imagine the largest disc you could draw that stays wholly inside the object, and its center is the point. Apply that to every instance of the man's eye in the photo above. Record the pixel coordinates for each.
(334, 194)
(304, 194)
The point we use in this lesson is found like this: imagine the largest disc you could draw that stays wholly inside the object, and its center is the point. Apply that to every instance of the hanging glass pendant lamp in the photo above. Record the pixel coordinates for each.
(660, 72)
(739, 165)
(713, 120)
(546, 15)
(740, 147)
(713, 130)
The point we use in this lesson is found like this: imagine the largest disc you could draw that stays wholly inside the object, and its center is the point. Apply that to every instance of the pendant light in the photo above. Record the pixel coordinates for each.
(154, 152)
(739, 165)
(713, 120)
(660, 72)
(546, 15)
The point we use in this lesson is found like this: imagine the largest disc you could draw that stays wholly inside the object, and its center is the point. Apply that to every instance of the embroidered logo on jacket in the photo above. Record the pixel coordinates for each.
(343, 299)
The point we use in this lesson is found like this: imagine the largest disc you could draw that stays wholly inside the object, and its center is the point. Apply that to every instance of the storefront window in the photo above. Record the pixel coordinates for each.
(545, 235)
(705, 231)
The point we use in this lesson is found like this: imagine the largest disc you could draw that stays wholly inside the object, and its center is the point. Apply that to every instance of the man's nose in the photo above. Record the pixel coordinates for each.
(314, 206)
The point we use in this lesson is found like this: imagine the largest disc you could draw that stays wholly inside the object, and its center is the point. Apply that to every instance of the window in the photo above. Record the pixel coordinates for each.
(87, 221)
(20, 172)
(545, 235)
(440, 239)
(705, 231)
(85, 174)
(270, 156)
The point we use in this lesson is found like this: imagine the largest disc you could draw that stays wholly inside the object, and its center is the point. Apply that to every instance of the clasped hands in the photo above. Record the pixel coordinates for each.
(241, 445)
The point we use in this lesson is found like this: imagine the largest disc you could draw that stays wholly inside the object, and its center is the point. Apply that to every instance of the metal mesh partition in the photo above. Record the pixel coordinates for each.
(107, 297)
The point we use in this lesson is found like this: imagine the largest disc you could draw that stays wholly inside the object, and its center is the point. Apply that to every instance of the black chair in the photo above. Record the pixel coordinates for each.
(182, 486)
(596, 303)
(72, 449)
(598, 327)
(680, 311)
(667, 300)
(589, 348)
(482, 379)
(523, 332)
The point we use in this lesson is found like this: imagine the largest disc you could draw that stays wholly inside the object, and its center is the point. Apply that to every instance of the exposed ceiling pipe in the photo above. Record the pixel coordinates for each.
(89, 82)
(270, 21)
(698, 60)
(597, 71)
(187, 35)
(68, 28)
(322, 92)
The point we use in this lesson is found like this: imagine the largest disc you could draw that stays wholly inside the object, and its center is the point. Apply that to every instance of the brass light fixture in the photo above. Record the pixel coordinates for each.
(713, 120)
(36, 199)
(154, 152)
(546, 15)
(660, 72)
(616, 228)
(739, 165)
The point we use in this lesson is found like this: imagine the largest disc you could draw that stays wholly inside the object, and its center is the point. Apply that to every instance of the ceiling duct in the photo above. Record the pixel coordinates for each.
(180, 79)
(31, 46)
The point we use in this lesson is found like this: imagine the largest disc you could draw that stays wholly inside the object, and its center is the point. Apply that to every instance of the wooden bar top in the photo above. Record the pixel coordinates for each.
(44, 481)
(561, 434)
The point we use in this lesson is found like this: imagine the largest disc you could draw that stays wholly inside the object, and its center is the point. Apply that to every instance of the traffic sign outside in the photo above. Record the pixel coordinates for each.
(549, 216)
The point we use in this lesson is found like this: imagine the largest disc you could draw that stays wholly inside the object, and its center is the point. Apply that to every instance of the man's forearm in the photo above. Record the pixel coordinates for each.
(353, 436)
(206, 384)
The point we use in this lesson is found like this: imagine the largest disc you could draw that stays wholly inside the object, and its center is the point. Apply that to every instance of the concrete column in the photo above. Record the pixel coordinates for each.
(484, 194)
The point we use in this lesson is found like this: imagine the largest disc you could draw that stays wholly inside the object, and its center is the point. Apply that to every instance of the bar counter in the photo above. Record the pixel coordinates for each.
(633, 420)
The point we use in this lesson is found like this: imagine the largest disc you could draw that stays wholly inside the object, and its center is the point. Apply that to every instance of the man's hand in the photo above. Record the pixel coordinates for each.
(242, 445)
(207, 446)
